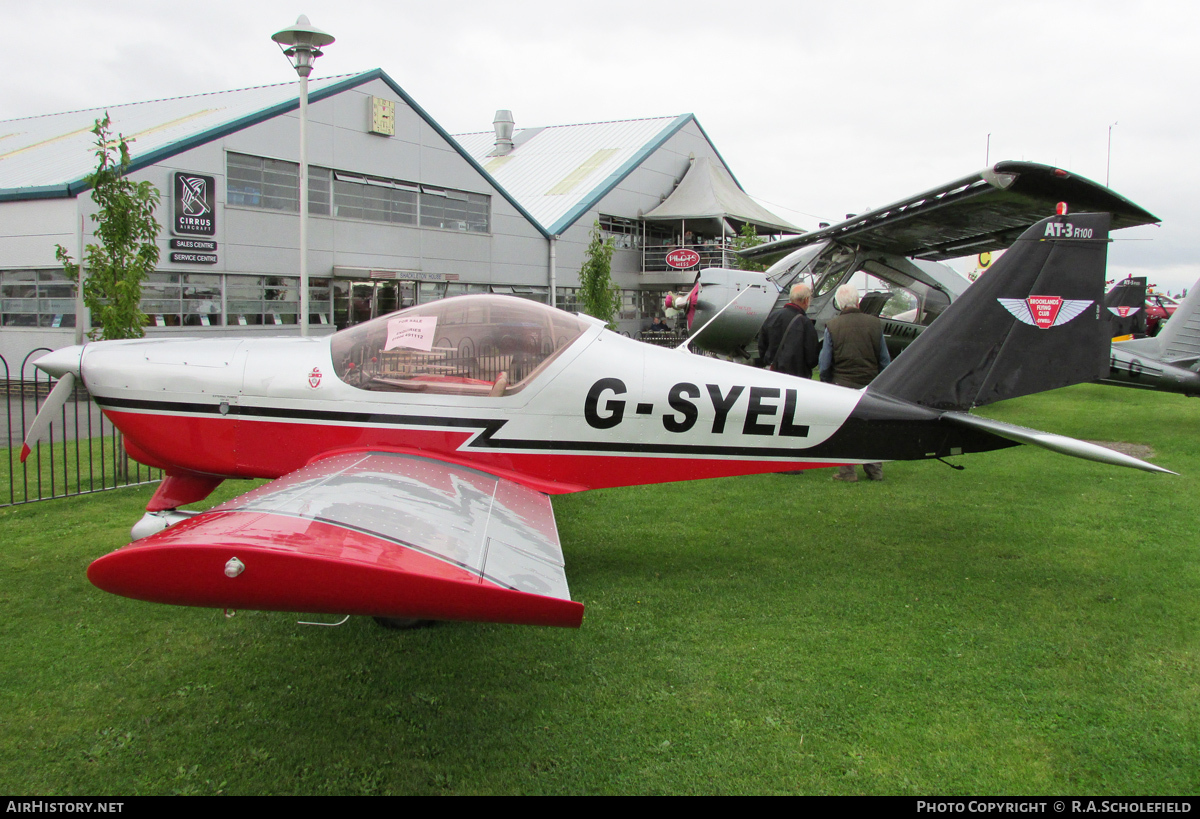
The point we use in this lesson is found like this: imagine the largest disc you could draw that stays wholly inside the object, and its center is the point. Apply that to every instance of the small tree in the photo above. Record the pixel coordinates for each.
(748, 237)
(127, 251)
(598, 296)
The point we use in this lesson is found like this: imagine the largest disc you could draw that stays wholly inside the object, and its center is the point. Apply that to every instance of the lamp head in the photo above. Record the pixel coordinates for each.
(302, 44)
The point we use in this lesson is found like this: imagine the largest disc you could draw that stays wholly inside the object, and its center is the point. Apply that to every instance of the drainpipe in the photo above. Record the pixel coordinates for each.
(81, 313)
(553, 272)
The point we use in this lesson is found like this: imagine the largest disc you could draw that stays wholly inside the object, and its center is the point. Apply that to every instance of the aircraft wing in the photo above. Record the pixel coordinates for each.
(371, 533)
(985, 211)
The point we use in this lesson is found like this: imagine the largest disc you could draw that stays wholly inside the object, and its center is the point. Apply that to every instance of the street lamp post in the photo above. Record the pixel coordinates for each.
(302, 44)
(1108, 160)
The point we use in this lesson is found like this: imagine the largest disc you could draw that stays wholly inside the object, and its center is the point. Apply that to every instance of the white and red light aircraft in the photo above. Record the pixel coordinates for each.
(412, 457)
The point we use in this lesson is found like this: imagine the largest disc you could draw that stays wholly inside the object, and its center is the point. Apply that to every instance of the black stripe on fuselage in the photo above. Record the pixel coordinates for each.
(879, 427)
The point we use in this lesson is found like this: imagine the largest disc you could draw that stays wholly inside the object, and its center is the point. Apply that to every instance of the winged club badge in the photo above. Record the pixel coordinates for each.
(1045, 312)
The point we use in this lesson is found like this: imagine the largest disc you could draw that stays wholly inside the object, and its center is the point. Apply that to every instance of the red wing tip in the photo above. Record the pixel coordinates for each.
(25, 450)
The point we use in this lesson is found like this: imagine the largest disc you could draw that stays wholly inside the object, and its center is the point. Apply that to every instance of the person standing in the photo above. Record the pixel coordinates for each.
(852, 354)
(787, 342)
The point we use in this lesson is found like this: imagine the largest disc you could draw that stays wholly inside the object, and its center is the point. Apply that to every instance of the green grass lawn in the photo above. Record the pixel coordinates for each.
(1028, 625)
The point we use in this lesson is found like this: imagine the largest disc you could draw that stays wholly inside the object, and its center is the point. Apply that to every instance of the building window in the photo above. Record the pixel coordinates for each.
(46, 298)
(319, 296)
(651, 303)
(567, 298)
(182, 300)
(465, 289)
(454, 210)
(272, 184)
(635, 304)
(521, 291)
(629, 305)
(254, 300)
(431, 291)
(318, 191)
(625, 233)
(36, 298)
(195, 299)
(374, 199)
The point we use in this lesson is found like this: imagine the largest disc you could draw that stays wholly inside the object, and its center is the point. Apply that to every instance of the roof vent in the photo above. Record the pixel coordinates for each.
(503, 124)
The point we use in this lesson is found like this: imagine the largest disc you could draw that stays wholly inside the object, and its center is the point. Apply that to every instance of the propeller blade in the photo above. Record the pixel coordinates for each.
(53, 403)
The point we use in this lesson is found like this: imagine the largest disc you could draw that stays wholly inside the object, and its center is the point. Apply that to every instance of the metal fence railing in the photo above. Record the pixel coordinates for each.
(654, 258)
(662, 339)
(83, 452)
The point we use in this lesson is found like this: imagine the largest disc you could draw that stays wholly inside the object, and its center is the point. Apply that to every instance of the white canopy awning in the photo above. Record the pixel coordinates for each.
(707, 191)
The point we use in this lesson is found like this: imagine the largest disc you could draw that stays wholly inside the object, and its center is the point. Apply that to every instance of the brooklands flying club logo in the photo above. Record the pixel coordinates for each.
(1045, 312)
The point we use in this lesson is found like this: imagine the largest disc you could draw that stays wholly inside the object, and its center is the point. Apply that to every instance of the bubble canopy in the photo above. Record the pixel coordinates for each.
(467, 345)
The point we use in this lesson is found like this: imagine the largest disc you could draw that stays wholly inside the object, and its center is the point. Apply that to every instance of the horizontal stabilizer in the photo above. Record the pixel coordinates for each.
(1048, 440)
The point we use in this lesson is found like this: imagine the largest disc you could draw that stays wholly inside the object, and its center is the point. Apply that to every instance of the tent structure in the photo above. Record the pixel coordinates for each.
(707, 193)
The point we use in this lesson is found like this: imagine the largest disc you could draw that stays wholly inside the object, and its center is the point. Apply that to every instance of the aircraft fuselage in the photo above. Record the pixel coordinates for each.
(608, 411)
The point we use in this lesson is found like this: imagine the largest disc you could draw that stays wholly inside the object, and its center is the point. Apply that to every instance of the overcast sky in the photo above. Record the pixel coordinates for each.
(820, 109)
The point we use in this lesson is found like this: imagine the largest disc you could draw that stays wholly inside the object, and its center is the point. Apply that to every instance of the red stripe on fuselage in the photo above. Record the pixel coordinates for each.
(242, 447)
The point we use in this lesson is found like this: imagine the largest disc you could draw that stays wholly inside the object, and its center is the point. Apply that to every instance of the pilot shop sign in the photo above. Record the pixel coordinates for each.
(682, 258)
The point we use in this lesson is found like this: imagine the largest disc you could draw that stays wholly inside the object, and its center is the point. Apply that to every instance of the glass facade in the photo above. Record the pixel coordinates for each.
(636, 305)
(36, 298)
(376, 200)
(272, 184)
(455, 210)
(182, 299)
(45, 298)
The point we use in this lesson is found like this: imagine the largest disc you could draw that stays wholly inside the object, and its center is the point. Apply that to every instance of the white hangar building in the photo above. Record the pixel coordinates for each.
(401, 212)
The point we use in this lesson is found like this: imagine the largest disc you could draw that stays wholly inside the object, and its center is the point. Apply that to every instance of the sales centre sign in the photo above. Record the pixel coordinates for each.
(194, 205)
(194, 213)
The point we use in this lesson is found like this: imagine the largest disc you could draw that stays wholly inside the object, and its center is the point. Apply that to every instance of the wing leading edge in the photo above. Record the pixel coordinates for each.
(380, 534)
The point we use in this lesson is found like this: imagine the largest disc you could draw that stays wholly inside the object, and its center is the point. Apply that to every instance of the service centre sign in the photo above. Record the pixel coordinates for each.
(681, 258)
(193, 198)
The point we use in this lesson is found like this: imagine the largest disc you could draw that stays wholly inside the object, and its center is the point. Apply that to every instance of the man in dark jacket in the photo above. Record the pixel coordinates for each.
(787, 342)
(852, 354)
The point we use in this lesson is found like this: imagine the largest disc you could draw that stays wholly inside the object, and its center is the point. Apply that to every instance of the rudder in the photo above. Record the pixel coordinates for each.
(1032, 323)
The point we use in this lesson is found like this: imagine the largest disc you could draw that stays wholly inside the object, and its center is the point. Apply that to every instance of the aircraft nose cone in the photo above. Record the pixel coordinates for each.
(59, 362)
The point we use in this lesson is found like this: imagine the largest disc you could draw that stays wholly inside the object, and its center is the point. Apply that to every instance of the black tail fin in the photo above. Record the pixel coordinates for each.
(1127, 302)
(1031, 323)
